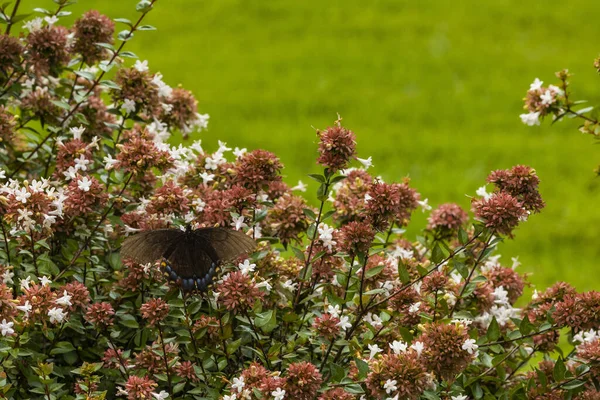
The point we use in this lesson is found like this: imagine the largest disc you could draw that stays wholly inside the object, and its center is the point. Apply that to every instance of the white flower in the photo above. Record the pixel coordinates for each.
(418, 347)
(278, 394)
(238, 153)
(392, 398)
(289, 285)
(22, 195)
(51, 20)
(398, 346)
(265, 284)
(456, 277)
(402, 253)
(2, 174)
(501, 296)
(81, 163)
(246, 267)
(238, 384)
(84, 184)
(390, 386)
(216, 296)
(326, 236)
(109, 162)
(301, 187)
(238, 223)
(33, 25)
(230, 397)
(223, 147)
(344, 322)
(6, 327)
(535, 295)
(24, 283)
(57, 315)
(531, 119)
(483, 193)
(470, 346)
(374, 320)
(459, 397)
(128, 106)
(537, 84)
(374, 350)
(547, 98)
(424, 204)
(206, 177)
(366, 162)
(515, 262)
(77, 132)
(65, 300)
(141, 66)
(586, 337)
(414, 307)
(161, 396)
(334, 311)
(45, 281)
(7, 277)
(26, 308)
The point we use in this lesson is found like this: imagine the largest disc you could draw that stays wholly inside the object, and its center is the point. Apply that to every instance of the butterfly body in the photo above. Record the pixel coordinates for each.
(190, 258)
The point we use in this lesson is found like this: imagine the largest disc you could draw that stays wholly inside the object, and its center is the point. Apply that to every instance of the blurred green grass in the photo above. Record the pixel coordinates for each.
(432, 89)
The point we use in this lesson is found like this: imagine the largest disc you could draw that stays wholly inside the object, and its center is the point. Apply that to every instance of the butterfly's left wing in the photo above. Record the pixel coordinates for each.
(149, 246)
(226, 243)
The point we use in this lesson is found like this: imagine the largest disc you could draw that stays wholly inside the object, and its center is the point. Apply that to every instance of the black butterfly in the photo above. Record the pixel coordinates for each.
(191, 258)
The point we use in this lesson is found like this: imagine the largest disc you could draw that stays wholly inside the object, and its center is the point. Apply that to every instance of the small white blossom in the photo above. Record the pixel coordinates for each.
(398, 346)
(223, 147)
(289, 285)
(424, 204)
(265, 284)
(33, 25)
(344, 322)
(414, 307)
(326, 236)
(278, 394)
(366, 162)
(334, 311)
(238, 223)
(456, 277)
(45, 281)
(22, 195)
(374, 320)
(501, 296)
(206, 177)
(51, 20)
(238, 153)
(535, 295)
(24, 283)
(57, 315)
(26, 308)
(84, 184)
(81, 163)
(390, 386)
(6, 328)
(459, 397)
(141, 66)
(547, 98)
(531, 119)
(230, 397)
(470, 346)
(77, 132)
(374, 349)
(301, 187)
(7, 277)
(160, 396)
(418, 347)
(128, 106)
(238, 384)
(515, 262)
(246, 267)
(537, 84)
(483, 193)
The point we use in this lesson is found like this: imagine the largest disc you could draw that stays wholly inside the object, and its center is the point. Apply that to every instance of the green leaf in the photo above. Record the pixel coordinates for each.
(124, 21)
(109, 84)
(146, 28)
(128, 54)
(526, 327)
(403, 273)
(363, 368)
(493, 331)
(62, 347)
(337, 373)
(233, 346)
(437, 254)
(298, 253)
(125, 35)
(309, 213)
(86, 75)
(354, 388)
(322, 192)
(559, 370)
(267, 320)
(143, 6)
(463, 236)
(317, 177)
(129, 321)
(374, 271)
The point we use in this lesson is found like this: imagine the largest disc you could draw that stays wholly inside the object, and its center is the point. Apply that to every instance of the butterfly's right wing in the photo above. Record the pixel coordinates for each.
(226, 243)
(149, 246)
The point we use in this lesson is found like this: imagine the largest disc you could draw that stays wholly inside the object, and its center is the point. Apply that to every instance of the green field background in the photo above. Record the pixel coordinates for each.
(432, 89)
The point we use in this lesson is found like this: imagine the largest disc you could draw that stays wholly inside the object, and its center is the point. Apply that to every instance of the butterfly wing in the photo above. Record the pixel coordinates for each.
(149, 246)
(226, 243)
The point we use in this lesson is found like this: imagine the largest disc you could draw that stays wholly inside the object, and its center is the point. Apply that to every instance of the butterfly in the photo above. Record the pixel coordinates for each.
(190, 258)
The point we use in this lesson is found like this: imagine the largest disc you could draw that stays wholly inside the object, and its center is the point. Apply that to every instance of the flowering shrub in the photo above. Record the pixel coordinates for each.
(335, 303)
